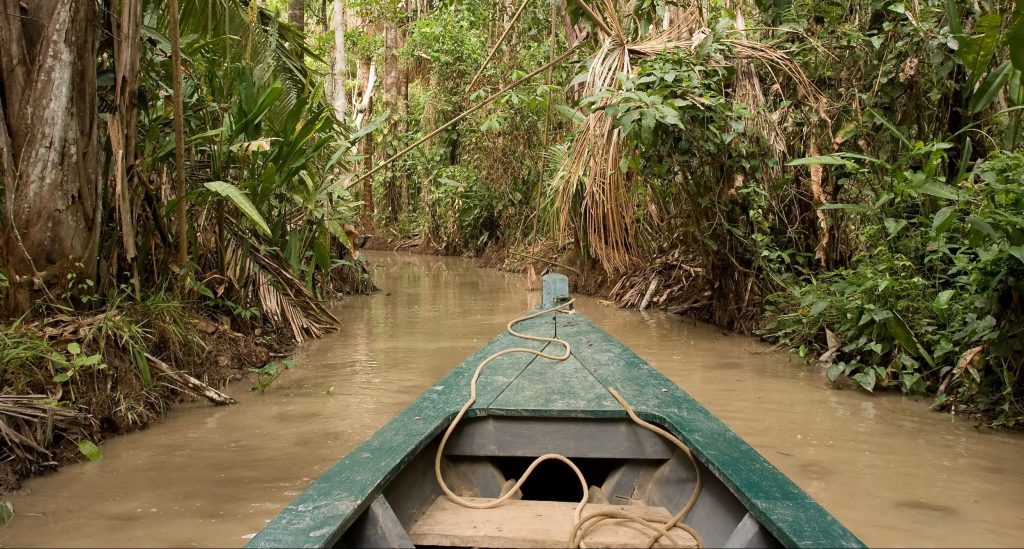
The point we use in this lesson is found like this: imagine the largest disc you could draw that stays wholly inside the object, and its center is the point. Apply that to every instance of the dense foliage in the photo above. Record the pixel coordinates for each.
(849, 169)
(845, 178)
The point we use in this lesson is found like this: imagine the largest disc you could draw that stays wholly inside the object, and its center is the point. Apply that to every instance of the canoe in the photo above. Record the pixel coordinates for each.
(694, 483)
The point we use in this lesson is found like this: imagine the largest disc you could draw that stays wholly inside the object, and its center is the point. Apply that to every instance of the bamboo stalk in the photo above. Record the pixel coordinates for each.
(470, 111)
(497, 45)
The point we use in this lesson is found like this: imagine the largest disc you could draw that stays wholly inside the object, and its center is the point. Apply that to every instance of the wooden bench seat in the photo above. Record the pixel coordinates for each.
(525, 523)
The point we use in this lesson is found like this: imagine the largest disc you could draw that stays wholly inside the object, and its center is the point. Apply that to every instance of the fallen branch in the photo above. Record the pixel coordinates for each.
(650, 293)
(548, 261)
(191, 383)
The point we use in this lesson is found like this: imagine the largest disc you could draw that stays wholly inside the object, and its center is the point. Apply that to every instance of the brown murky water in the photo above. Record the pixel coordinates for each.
(893, 472)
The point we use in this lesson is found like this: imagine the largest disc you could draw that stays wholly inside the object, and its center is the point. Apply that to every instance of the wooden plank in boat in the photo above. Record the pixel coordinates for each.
(534, 436)
(532, 524)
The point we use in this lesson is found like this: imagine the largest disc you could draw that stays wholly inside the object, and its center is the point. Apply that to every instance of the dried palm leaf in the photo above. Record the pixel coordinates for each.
(31, 423)
(591, 191)
(283, 298)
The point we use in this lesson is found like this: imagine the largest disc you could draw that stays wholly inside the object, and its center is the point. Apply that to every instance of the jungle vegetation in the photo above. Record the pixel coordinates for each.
(843, 178)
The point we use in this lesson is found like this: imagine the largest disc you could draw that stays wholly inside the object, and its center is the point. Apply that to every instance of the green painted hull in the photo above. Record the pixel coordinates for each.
(521, 385)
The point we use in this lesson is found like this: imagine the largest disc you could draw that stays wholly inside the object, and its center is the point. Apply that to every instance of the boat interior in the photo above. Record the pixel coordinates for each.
(626, 467)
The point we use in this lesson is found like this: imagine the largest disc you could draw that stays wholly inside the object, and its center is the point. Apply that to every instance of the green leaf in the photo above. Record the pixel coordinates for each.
(266, 101)
(943, 220)
(833, 371)
(204, 291)
(90, 360)
(953, 17)
(1015, 40)
(866, 379)
(935, 188)
(62, 377)
(89, 449)
(892, 128)
(241, 202)
(901, 332)
(981, 228)
(818, 307)
(829, 160)
(570, 113)
(74, 348)
(1016, 251)
(856, 208)
(911, 383)
(142, 363)
(977, 50)
(893, 226)
(989, 88)
(369, 127)
(322, 256)
(942, 300)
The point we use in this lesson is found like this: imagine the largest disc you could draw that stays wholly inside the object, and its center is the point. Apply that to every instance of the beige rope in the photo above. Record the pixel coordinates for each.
(582, 526)
(579, 532)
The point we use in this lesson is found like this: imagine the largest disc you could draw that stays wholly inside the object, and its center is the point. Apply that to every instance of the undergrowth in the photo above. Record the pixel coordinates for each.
(932, 303)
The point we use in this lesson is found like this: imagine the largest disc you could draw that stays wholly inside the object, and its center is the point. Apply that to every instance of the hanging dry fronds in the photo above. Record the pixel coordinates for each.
(591, 191)
(283, 298)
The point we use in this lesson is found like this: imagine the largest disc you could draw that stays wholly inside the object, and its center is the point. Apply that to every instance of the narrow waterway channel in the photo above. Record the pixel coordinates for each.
(895, 473)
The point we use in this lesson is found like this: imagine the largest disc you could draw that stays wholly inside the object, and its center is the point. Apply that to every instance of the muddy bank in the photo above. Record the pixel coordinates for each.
(79, 380)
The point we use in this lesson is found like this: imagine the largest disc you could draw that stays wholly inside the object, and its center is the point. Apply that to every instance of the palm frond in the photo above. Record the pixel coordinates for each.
(591, 191)
(259, 33)
(284, 299)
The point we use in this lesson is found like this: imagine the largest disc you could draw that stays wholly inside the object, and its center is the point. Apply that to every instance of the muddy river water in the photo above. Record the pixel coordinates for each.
(895, 473)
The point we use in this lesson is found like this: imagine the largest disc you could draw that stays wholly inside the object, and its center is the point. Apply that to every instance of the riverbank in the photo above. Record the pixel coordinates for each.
(81, 370)
(77, 379)
(211, 476)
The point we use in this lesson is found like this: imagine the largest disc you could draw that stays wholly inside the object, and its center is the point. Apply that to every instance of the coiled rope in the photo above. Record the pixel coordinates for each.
(582, 525)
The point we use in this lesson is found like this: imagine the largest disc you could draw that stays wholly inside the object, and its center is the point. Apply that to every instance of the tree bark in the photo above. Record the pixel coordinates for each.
(340, 61)
(366, 148)
(403, 111)
(127, 31)
(49, 154)
(392, 92)
(297, 16)
(365, 75)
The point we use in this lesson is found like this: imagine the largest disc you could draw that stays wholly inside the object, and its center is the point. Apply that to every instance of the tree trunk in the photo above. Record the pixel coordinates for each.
(403, 115)
(179, 132)
(366, 148)
(363, 108)
(340, 61)
(50, 159)
(297, 16)
(392, 92)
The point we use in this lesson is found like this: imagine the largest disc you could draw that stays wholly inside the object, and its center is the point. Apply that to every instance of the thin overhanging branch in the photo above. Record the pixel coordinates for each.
(497, 45)
(468, 112)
